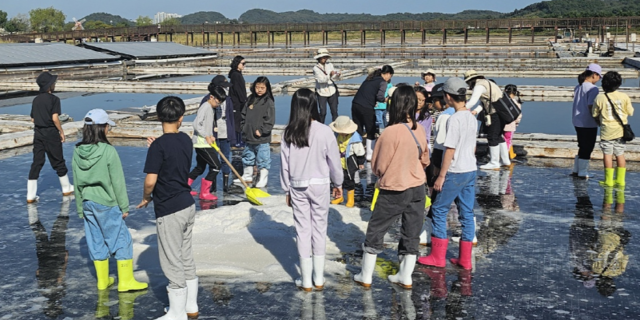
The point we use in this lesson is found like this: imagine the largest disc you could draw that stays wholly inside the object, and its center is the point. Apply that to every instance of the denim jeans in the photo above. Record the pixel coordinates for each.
(458, 187)
(225, 148)
(106, 232)
(381, 119)
(257, 154)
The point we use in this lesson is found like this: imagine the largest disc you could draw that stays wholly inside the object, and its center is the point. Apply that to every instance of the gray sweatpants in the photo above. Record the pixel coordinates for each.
(174, 246)
(310, 213)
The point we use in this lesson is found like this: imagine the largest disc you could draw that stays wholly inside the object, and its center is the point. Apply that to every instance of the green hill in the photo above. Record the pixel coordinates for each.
(109, 19)
(203, 17)
(579, 8)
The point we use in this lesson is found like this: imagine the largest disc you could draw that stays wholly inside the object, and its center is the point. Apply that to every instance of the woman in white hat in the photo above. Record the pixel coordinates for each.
(429, 78)
(326, 88)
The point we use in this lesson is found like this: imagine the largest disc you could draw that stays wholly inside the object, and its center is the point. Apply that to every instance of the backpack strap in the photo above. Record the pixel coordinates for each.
(416, 140)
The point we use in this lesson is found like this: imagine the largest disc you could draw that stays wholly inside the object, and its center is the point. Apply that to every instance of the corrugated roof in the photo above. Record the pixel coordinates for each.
(36, 54)
(147, 50)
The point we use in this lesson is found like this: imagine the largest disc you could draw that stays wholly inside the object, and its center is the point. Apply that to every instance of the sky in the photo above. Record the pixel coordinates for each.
(231, 9)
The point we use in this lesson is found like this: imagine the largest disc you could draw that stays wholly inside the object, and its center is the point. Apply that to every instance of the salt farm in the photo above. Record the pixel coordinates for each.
(538, 229)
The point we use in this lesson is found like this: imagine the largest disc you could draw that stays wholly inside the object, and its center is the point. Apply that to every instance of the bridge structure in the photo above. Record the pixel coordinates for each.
(213, 34)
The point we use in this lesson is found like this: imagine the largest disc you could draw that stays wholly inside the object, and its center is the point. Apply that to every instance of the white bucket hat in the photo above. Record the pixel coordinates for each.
(322, 52)
(343, 125)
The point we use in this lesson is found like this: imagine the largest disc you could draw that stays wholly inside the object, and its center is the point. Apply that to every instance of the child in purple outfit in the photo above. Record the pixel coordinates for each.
(310, 162)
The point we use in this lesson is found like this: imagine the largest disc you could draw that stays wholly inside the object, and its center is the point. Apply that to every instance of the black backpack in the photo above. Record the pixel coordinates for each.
(505, 108)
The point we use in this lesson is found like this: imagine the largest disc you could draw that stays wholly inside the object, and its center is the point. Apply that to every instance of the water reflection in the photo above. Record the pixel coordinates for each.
(52, 257)
(582, 235)
(312, 307)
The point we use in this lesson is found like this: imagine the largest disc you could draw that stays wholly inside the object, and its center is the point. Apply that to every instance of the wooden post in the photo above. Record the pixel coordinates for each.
(466, 35)
(208, 39)
(556, 36)
(269, 39)
(423, 34)
(533, 34)
(323, 34)
(487, 35)
(402, 37)
(165, 37)
(510, 34)
(382, 37)
(191, 38)
(203, 38)
(171, 37)
(444, 36)
(362, 38)
(286, 39)
(604, 31)
(628, 34)
(186, 36)
(344, 37)
(222, 39)
(290, 39)
(251, 39)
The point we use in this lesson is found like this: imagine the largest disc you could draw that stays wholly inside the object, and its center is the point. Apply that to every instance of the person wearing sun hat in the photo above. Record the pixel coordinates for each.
(352, 155)
(584, 95)
(429, 78)
(326, 88)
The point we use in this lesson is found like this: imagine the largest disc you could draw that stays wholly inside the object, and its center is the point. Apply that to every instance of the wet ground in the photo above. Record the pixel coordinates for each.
(550, 247)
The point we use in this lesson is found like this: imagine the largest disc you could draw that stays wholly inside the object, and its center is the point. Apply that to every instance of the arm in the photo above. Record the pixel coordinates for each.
(56, 121)
(381, 160)
(380, 96)
(446, 163)
(149, 185)
(77, 190)
(118, 182)
(333, 160)
(284, 167)
(474, 103)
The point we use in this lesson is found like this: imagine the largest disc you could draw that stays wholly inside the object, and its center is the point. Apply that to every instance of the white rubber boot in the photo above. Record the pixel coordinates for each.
(64, 207)
(191, 307)
(370, 145)
(494, 163)
(67, 188)
(318, 272)
(264, 176)
(247, 175)
(504, 181)
(408, 308)
(403, 277)
(32, 211)
(583, 168)
(575, 167)
(493, 182)
(504, 155)
(475, 232)
(177, 304)
(365, 277)
(425, 235)
(32, 190)
(369, 305)
(306, 269)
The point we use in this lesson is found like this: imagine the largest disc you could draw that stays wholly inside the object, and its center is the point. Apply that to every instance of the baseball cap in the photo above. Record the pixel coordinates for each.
(455, 86)
(98, 116)
(437, 92)
(595, 68)
(220, 81)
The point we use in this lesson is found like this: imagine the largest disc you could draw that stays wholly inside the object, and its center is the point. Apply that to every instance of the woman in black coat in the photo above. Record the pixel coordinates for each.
(238, 94)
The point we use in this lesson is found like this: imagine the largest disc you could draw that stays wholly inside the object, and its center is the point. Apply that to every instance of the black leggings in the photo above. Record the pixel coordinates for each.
(51, 146)
(204, 157)
(586, 142)
(333, 104)
(365, 118)
(495, 131)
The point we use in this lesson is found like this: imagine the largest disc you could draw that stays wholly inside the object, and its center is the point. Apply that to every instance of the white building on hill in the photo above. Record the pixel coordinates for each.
(162, 16)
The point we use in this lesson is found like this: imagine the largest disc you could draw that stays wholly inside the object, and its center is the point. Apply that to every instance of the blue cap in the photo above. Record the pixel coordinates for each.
(98, 116)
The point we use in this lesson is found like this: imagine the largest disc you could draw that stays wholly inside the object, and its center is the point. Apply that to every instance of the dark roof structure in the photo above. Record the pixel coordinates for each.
(46, 54)
(147, 50)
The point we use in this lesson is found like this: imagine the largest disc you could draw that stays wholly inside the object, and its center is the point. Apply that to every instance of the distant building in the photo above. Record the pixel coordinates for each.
(162, 16)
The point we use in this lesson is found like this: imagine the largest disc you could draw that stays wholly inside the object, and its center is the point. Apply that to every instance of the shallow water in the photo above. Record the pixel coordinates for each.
(535, 228)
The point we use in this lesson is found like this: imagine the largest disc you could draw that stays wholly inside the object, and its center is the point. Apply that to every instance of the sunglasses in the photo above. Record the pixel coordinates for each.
(243, 63)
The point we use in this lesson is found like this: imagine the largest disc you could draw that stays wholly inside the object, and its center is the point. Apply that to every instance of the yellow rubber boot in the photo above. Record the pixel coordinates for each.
(621, 174)
(102, 274)
(620, 196)
(608, 178)
(126, 282)
(608, 196)
(512, 154)
(126, 303)
(337, 200)
(102, 309)
(351, 198)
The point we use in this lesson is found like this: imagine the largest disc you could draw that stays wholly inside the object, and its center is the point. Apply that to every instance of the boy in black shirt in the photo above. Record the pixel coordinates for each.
(167, 168)
(48, 137)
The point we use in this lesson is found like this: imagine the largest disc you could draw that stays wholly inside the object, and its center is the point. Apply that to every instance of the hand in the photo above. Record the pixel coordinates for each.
(361, 166)
(333, 73)
(337, 193)
(62, 137)
(150, 140)
(145, 202)
(474, 112)
(258, 133)
(439, 183)
(125, 215)
(417, 83)
(288, 200)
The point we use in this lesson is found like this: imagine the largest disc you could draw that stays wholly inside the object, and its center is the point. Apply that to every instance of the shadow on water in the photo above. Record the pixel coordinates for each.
(276, 237)
(52, 258)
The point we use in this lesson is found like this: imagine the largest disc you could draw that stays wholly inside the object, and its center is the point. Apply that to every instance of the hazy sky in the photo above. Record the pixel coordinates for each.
(232, 9)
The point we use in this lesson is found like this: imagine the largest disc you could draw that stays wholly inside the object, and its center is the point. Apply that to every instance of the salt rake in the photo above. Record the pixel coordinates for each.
(252, 193)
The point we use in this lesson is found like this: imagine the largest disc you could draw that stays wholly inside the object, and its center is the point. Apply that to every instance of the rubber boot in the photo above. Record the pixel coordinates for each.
(574, 173)
(205, 193)
(32, 190)
(67, 188)
(191, 307)
(368, 305)
(475, 232)
(621, 174)
(365, 277)
(337, 200)
(464, 278)
(102, 307)
(264, 177)
(437, 257)
(425, 235)
(126, 281)
(177, 304)
(608, 178)
(620, 196)
(318, 272)
(247, 175)
(583, 169)
(408, 308)
(126, 301)
(32, 211)
(608, 196)
(193, 192)
(464, 259)
(102, 274)
(351, 198)
(369, 152)
(403, 277)
(505, 160)
(512, 154)
(438, 282)
(225, 183)
(306, 269)
(494, 162)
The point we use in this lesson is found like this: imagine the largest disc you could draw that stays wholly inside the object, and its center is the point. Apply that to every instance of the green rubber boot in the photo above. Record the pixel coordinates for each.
(102, 274)
(608, 178)
(620, 196)
(126, 281)
(126, 301)
(621, 175)
(102, 309)
(608, 196)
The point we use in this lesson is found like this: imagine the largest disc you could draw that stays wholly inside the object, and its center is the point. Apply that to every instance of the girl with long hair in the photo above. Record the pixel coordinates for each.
(102, 202)
(238, 93)
(310, 162)
(399, 162)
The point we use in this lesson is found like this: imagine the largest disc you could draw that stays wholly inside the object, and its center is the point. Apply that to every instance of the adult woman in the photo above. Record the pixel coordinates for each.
(326, 88)
(586, 126)
(310, 162)
(399, 162)
(484, 93)
(364, 102)
(238, 93)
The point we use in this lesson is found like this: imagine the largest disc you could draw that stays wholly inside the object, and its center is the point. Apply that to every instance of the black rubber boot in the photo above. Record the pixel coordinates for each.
(214, 185)
(225, 183)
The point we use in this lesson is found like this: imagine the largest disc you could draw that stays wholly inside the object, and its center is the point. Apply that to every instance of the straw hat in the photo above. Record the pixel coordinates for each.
(343, 125)
(322, 52)
(470, 75)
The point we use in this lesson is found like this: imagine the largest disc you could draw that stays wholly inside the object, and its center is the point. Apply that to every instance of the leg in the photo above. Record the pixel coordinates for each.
(412, 217)
(263, 156)
(387, 210)
(96, 244)
(333, 104)
(444, 199)
(188, 215)
(356, 116)
(225, 148)
(170, 239)
(465, 202)
(508, 135)
(319, 201)
(586, 142)
(56, 158)
(38, 159)
(608, 161)
(322, 108)
(302, 219)
(201, 164)
(369, 118)
(494, 132)
(249, 155)
(211, 157)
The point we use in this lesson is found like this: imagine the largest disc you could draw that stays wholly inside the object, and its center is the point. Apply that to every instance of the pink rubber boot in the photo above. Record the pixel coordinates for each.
(193, 192)
(205, 194)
